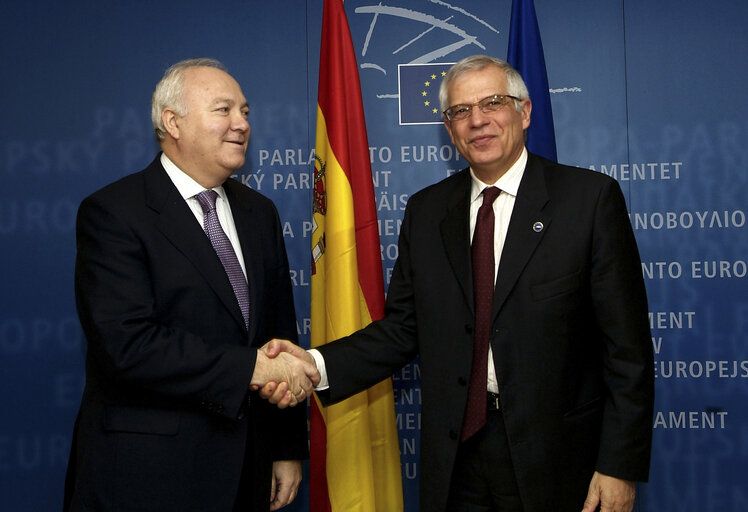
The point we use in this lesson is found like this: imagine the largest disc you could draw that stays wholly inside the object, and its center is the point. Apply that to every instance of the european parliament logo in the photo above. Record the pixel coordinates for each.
(418, 91)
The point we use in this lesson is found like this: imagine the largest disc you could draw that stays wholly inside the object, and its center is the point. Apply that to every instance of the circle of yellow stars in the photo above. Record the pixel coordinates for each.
(425, 93)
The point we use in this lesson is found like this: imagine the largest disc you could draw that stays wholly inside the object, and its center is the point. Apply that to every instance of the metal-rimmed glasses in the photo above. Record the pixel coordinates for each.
(488, 104)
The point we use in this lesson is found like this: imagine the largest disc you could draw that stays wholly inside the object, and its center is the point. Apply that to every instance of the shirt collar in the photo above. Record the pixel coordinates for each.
(508, 183)
(186, 186)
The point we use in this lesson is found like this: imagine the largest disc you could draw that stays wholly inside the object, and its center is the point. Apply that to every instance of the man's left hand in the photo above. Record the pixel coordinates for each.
(612, 494)
(285, 485)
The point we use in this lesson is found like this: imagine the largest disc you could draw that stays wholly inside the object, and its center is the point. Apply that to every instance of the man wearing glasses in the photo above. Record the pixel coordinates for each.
(519, 285)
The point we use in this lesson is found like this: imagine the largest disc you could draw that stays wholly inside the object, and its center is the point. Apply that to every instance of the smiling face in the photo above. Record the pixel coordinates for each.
(209, 142)
(492, 141)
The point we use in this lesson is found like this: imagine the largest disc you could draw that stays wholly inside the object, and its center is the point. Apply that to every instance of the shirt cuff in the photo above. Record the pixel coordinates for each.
(320, 362)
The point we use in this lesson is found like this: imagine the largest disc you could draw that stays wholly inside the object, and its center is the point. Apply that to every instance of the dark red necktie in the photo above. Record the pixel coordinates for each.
(483, 289)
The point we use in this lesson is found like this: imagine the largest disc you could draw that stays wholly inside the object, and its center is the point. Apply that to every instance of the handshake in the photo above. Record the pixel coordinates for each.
(285, 374)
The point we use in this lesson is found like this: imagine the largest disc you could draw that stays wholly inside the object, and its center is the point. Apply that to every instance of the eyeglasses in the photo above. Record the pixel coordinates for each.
(489, 104)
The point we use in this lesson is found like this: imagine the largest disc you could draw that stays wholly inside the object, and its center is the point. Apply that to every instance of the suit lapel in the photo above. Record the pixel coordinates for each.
(455, 231)
(526, 229)
(177, 223)
(248, 238)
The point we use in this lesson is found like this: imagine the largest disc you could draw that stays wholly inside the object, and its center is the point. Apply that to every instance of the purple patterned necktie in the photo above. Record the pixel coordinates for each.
(224, 249)
(483, 289)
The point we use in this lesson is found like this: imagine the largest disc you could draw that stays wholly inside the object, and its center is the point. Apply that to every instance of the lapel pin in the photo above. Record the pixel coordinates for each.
(537, 227)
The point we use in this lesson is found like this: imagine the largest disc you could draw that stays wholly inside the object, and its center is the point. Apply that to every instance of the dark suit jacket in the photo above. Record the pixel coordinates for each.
(570, 335)
(166, 416)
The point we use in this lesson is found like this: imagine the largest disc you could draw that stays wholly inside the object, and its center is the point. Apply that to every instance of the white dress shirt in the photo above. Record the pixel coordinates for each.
(189, 188)
(502, 209)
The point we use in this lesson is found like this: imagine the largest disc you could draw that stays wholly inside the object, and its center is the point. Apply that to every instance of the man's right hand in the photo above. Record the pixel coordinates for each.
(285, 372)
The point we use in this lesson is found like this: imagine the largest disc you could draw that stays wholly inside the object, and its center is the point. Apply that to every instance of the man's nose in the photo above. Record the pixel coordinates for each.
(477, 116)
(240, 122)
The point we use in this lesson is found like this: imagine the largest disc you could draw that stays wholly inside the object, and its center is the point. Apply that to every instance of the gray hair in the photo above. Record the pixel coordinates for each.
(168, 93)
(515, 83)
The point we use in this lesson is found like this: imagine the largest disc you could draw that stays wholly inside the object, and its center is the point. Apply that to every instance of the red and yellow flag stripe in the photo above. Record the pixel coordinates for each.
(355, 461)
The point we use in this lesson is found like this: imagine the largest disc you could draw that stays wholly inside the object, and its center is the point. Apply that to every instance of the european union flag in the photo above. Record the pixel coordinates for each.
(418, 87)
(525, 54)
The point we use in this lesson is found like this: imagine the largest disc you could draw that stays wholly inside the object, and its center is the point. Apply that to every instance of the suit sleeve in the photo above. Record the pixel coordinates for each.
(620, 306)
(374, 353)
(132, 346)
(289, 426)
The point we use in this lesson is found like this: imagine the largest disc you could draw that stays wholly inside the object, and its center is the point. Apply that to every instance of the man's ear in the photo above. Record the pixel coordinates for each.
(448, 126)
(525, 113)
(171, 122)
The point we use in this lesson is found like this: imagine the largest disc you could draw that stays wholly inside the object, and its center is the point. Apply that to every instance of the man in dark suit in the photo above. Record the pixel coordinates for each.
(565, 371)
(175, 294)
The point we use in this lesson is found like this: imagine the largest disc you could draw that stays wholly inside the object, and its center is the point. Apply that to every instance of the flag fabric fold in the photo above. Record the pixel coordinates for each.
(355, 458)
(525, 54)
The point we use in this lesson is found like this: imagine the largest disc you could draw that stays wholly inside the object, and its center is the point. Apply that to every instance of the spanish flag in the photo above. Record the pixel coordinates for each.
(355, 459)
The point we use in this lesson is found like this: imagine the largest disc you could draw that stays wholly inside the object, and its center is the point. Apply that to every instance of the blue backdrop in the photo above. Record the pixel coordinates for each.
(651, 93)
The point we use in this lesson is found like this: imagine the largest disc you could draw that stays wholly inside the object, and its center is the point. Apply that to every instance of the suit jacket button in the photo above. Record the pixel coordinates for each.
(468, 329)
(462, 381)
(453, 435)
